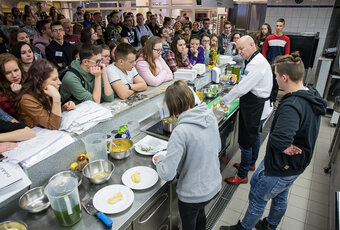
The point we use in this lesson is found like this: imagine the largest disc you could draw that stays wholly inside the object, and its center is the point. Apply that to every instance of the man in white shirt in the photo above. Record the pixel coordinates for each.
(254, 91)
(122, 74)
(142, 29)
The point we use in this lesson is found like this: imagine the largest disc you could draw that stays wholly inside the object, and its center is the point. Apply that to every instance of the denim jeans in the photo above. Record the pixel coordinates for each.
(192, 215)
(250, 155)
(263, 188)
(4, 116)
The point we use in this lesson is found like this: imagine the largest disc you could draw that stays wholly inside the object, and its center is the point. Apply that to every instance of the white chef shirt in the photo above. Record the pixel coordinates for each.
(258, 79)
(115, 74)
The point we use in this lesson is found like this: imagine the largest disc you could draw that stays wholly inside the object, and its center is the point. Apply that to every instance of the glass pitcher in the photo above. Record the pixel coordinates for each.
(95, 145)
(62, 192)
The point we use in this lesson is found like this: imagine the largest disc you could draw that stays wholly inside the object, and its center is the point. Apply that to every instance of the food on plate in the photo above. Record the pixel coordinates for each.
(215, 104)
(214, 107)
(99, 175)
(135, 177)
(172, 120)
(226, 109)
(146, 148)
(117, 197)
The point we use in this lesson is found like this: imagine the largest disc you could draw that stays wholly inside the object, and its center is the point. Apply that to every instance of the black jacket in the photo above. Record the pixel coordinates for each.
(297, 122)
(58, 54)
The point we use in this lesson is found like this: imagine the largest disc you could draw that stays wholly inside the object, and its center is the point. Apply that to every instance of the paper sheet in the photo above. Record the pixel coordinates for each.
(22, 181)
(46, 143)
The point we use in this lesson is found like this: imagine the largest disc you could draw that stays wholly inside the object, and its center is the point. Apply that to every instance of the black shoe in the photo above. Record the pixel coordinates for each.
(263, 225)
(238, 226)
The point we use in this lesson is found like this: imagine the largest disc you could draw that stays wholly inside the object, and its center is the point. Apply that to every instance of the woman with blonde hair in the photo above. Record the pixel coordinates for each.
(151, 66)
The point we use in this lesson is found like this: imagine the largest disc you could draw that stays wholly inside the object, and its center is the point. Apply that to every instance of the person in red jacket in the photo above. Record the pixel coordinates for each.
(277, 43)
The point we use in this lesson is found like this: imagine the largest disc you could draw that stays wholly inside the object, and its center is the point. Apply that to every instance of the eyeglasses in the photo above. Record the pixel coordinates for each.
(158, 50)
(107, 56)
(59, 30)
(96, 62)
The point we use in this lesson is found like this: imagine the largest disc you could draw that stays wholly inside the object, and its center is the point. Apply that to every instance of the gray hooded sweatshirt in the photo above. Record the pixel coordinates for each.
(192, 152)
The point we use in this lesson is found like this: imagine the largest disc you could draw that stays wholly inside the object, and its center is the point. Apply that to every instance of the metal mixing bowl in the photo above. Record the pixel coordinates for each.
(68, 173)
(209, 93)
(19, 225)
(169, 126)
(34, 200)
(122, 143)
(98, 166)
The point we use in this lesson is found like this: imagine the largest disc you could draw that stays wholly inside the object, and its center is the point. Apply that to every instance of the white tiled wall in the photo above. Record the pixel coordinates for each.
(309, 16)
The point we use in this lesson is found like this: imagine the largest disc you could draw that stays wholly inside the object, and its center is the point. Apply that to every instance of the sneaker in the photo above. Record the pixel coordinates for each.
(238, 226)
(251, 168)
(263, 225)
(236, 180)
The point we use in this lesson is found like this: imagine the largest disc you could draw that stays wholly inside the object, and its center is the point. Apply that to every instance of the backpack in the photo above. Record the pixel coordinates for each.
(76, 72)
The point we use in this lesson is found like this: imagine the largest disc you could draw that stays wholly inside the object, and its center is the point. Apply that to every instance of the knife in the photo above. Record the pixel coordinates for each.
(91, 210)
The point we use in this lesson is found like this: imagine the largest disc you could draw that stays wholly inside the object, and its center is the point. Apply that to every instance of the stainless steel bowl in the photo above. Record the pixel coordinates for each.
(126, 145)
(209, 93)
(98, 166)
(169, 126)
(19, 225)
(68, 173)
(34, 200)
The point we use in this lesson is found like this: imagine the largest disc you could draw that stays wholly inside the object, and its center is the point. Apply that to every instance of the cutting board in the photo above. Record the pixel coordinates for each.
(233, 105)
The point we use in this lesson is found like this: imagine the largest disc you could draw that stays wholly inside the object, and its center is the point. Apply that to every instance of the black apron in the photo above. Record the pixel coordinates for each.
(251, 108)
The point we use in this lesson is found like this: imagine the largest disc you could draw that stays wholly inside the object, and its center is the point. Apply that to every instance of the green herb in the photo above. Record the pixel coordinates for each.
(145, 149)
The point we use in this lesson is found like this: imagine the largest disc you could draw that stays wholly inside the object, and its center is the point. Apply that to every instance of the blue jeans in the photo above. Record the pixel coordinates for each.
(250, 155)
(263, 188)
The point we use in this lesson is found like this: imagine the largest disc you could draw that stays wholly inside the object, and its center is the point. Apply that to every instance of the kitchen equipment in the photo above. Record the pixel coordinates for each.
(133, 128)
(101, 199)
(210, 93)
(34, 200)
(185, 74)
(169, 123)
(98, 171)
(224, 59)
(17, 225)
(91, 210)
(126, 145)
(63, 195)
(200, 68)
(72, 173)
(148, 177)
(215, 74)
(95, 145)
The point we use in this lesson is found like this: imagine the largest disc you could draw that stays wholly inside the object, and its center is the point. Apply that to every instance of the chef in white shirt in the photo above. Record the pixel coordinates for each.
(254, 91)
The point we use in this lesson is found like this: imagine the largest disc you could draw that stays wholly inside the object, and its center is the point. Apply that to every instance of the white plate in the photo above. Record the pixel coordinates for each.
(148, 177)
(163, 153)
(148, 141)
(100, 199)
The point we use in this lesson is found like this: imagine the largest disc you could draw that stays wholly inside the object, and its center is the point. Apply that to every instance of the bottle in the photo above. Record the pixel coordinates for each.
(212, 57)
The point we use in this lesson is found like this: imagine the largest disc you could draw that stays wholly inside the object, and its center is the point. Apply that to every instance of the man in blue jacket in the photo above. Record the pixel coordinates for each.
(290, 145)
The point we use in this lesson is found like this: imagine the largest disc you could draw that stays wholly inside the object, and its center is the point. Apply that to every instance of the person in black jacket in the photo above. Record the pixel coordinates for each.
(290, 145)
(58, 51)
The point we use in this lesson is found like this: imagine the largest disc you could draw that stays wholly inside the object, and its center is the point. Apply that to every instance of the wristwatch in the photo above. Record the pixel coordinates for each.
(129, 86)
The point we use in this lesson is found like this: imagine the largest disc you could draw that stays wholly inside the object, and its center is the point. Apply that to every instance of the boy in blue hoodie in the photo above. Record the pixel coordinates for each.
(290, 145)
(193, 154)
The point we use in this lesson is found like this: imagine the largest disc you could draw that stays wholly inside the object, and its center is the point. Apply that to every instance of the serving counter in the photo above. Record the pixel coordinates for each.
(152, 208)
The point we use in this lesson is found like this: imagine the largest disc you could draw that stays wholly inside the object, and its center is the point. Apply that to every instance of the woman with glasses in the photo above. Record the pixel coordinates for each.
(89, 36)
(177, 57)
(39, 101)
(24, 52)
(205, 43)
(151, 66)
(12, 75)
(106, 55)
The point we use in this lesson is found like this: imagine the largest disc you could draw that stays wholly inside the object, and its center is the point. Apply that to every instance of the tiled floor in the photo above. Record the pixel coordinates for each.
(308, 198)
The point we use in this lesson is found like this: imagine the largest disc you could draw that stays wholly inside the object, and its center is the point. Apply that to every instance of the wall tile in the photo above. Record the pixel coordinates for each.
(303, 22)
(319, 22)
(326, 24)
(305, 12)
(313, 12)
(322, 13)
(311, 22)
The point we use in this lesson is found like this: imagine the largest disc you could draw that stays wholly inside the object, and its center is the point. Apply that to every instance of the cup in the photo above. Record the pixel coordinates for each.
(62, 192)
(95, 145)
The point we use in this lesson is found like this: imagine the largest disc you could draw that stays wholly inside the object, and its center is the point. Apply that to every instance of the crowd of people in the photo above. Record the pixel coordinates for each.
(49, 64)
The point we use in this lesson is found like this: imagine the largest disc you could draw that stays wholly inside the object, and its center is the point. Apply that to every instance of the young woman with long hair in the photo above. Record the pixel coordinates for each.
(195, 51)
(88, 36)
(99, 31)
(24, 52)
(151, 66)
(205, 43)
(20, 35)
(12, 75)
(260, 38)
(177, 57)
(39, 100)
